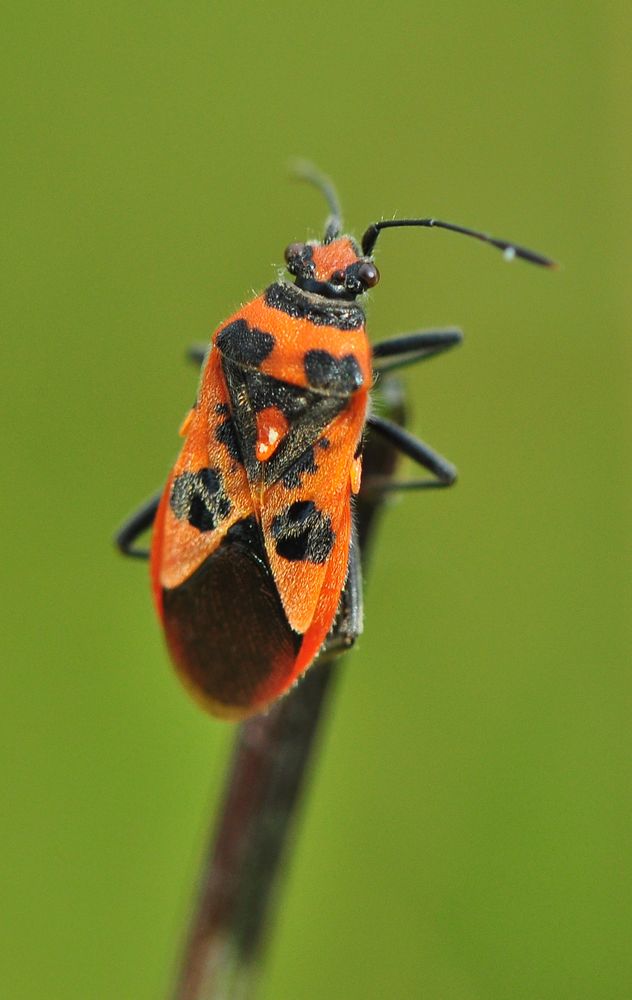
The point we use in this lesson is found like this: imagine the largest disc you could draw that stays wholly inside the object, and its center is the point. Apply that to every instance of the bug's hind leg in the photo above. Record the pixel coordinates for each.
(135, 525)
(442, 470)
(409, 348)
(349, 620)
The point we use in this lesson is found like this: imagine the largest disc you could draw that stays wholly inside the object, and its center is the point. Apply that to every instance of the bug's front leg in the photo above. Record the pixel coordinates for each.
(135, 525)
(409, 348)
(397, 352)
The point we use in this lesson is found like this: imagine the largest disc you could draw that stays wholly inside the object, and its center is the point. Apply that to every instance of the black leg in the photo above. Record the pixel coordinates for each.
(444, 472)
(349, 620)
(409, 348)
(139, 521)
(197, 353)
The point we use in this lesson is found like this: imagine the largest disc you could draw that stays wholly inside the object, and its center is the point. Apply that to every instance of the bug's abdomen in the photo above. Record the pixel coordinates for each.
(226, 629)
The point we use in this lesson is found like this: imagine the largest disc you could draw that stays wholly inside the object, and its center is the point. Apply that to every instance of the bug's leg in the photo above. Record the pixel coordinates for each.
(349, 620)
(409, 348)
(139, 521)
(197, 353)
(443, 471)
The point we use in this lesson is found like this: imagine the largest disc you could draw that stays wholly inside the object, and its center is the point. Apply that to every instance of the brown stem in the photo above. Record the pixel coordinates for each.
(268, 772)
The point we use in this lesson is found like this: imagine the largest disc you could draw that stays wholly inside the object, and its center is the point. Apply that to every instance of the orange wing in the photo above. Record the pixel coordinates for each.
(207, 491)
(306, 522)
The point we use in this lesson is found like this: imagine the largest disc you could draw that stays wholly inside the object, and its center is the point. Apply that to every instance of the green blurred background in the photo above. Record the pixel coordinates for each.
(467, 831)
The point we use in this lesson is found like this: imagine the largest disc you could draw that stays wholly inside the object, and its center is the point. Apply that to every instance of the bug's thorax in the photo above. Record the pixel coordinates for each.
(298, 338)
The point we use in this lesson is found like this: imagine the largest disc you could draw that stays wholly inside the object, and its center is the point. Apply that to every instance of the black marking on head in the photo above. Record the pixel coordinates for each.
(299, 258)
(343, 283)
(305, 464)
(243, 344)
(200, 498)
(296, 303)
(323, 443)
(303, 533)
(226, 434)
(338, 375)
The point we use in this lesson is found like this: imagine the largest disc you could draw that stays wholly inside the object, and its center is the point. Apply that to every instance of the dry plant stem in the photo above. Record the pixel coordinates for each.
(270, 762)
(266, 777)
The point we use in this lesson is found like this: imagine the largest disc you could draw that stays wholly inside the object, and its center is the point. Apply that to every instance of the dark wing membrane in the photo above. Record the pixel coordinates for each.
(227, 631)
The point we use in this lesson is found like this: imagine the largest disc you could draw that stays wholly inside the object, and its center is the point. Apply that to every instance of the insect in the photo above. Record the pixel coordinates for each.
(253, 555)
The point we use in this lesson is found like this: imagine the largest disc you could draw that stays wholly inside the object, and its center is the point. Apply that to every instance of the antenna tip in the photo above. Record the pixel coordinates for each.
(532, 257)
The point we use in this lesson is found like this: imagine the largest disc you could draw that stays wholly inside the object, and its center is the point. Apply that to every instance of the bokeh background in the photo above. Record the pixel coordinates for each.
(467, 830)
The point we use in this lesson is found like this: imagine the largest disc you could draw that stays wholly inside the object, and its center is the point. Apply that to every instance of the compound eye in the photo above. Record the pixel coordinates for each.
(338, 278)
(293, 250)
(368, 274)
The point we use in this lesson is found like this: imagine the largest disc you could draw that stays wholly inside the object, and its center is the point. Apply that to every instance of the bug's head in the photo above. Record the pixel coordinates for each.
(335, 269)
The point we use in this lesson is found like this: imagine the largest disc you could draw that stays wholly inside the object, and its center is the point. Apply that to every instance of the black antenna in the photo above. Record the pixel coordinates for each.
(306, 171)
(510, 250)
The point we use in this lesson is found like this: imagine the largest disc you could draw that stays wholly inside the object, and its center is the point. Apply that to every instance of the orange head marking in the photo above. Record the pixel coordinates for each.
(335, 268)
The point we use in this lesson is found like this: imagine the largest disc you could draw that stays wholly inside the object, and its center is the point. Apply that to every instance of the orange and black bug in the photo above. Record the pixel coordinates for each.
(253, 553)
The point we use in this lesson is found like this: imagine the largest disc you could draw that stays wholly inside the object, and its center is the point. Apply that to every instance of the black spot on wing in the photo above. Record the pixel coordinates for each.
(296, 303)
(303, 533)
(305, 464)
(226, 434)
(338, 375)
(199, 498)
(244, 344)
